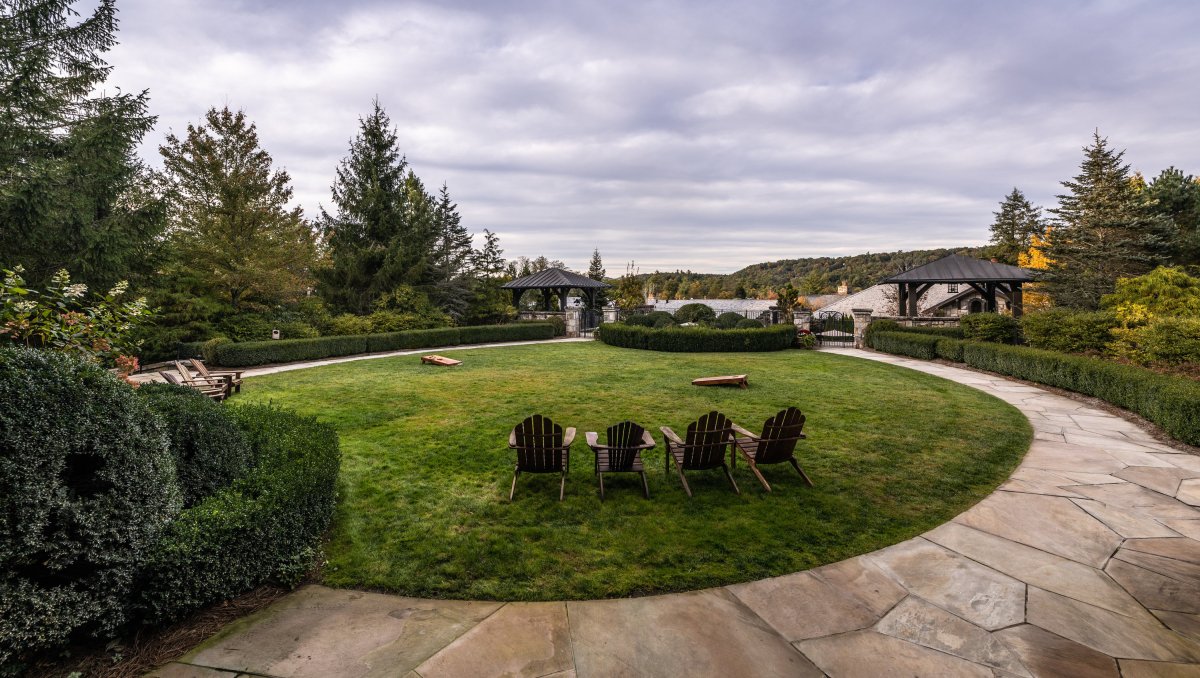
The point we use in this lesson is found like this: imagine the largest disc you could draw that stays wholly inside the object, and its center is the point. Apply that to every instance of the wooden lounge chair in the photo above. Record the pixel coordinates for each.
(542, 447)
(217, 393)
(202, 382)
(234, 377)
(704, 448)
(776, 445)
(622, 454)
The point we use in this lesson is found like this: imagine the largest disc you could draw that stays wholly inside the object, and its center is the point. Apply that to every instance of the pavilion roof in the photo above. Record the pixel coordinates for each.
(554, 278)
(959, 269)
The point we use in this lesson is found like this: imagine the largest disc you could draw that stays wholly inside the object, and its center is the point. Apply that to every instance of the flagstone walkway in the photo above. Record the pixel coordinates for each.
(1086, 562)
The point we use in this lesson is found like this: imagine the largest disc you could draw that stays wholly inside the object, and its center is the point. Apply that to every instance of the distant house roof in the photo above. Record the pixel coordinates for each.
(554, 278)
(881, 299)
(957, 268)
(718, 305)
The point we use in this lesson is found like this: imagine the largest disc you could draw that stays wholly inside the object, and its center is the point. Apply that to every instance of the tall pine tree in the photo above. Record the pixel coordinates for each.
(596, 272)
(1104, 231)
(1176, 196)
(73, 194)
(230, 223)
(450, 266)
(1017, 222)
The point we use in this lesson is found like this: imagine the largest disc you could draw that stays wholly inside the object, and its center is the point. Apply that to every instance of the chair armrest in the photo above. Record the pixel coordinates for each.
(593, 439)
(742, 431)
(647, 440)
(569, 436)
(512, 438)
(670, 435)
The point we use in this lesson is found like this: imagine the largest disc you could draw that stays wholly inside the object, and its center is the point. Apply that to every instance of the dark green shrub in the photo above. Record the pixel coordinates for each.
(948, 332)
(87, 484)
(1001, 329)
(877, 326)
(1171, 340)
(559, 325)
(695, 313)
(264, 527)
(209, 349)
(210, 451)
(697, 339)
(747, 324)
(188, 349)
(950, 349)
(290, 350)
(640, 320)
(246, 327)
(729, 320)
(296, 329)
(913, 345)
(1069, 331)
(1171, 402)
(348, 324)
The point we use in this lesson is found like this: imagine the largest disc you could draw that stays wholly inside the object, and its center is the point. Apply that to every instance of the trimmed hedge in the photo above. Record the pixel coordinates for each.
(697, 339)
(1069, 331)
(209, 450)
(906, 343)
(87, 485)
(994, 327)
(948, 332)
(951, 349)
(250, 353)
(266, 526)
(695, 312)
(729, 320)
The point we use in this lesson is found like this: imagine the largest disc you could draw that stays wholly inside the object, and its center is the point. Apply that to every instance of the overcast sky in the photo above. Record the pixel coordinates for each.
(703, 136)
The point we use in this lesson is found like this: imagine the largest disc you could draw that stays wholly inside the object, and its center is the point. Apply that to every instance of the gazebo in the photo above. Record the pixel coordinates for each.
(555, 281)
(986, 277)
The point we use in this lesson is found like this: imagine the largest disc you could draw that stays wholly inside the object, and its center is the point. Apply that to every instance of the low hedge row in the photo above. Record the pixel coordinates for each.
(697, 339)
(249, 353)
(263, 527)
(1171, 402)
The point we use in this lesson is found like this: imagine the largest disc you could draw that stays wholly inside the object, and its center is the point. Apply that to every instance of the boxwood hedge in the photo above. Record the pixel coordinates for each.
(249, 353)
(921, 346)
(697, 339)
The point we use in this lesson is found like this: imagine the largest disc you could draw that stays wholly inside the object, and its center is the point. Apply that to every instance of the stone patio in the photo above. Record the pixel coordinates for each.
(1086, 562)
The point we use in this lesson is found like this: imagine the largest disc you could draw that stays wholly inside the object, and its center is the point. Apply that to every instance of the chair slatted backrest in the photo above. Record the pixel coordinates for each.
(539, 445)
(623, 441)
(779, 436)
(172, 378)
(184, 374)
(707, 439)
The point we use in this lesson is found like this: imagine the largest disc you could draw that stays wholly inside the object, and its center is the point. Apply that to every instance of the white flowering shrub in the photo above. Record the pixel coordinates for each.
(63, 317)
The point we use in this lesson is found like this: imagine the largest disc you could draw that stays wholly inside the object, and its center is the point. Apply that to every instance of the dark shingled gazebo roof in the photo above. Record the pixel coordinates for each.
(554, 278)
(989, 278)
(957, 268)
(555, 281)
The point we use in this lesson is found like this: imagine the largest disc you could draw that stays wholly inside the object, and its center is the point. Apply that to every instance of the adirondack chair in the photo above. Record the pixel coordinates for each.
(775, 445)
(201, 382)
(704, 448)
(542, 447)
(623, 453)
(217, 394)
(234, 377)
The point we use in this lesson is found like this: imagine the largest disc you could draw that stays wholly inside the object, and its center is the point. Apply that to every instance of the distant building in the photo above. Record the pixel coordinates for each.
(943, 300)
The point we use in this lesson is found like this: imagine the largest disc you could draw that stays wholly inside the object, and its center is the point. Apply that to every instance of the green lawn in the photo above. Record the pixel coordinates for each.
(424, 509)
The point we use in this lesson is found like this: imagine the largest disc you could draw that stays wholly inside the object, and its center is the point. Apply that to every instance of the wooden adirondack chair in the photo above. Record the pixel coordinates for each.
(622, 454)
(542, 447)
(776, 445)
(234, 377)
(707, 440)
(217, 394)
(201, 382)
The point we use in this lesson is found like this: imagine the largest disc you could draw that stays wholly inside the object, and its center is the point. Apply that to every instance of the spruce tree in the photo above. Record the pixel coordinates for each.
(489, 303)
(73, 194)
(596, 272)
(450, 263)
(1015, 225)
(230, 223)
(368, 234)
(1176, 196)
(1104, 231)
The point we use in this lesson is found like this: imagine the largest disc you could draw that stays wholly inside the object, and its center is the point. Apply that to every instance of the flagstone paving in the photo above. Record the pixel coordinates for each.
(1086, 562)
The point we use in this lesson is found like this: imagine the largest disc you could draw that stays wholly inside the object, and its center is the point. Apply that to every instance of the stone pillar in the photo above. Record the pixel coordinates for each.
(862, 319)
(574, 320)
(611, 315)
(802, 320)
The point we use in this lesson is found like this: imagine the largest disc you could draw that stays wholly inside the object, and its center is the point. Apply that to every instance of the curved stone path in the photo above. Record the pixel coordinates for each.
(1086, 562)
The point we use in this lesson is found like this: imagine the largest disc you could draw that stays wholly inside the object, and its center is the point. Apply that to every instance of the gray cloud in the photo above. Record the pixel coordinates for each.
(690, 135)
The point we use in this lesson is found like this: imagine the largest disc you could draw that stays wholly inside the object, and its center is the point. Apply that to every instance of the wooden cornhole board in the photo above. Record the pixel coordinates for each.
(440, 360)
(727, 380)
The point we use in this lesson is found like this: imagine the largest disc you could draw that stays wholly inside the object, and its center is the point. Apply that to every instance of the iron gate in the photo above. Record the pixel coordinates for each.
(833, 328)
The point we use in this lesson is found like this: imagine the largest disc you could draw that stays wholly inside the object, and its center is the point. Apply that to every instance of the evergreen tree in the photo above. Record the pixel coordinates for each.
(73, 195)
(451, 262)
(1176, 196)
(1017, 222)
(1104, 231)
(369, 237)
(596, 272)
(489, 303)
(230, 223)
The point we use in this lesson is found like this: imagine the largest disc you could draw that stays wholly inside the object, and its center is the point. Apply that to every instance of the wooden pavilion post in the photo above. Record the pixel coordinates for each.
(1018, 300)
